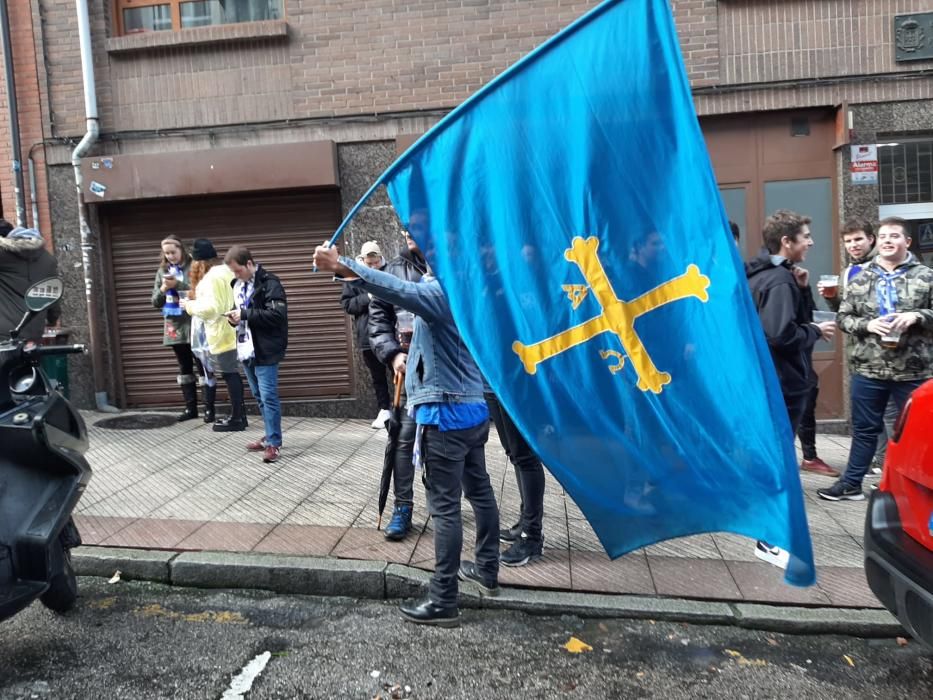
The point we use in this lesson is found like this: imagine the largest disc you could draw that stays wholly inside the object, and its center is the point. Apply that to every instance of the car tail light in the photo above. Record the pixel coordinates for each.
(901, 422)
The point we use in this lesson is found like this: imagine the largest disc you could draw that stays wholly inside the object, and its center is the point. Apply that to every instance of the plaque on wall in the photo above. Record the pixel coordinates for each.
(913, 37)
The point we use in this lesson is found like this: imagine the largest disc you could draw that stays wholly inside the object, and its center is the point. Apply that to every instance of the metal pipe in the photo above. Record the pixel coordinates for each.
(33, 200)
(87, 236)
(16, 150)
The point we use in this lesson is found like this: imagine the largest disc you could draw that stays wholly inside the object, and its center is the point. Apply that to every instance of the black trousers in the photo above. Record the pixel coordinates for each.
(455, 466)
(529, 473)
(807, 430)
(377, 371)
(186, 359)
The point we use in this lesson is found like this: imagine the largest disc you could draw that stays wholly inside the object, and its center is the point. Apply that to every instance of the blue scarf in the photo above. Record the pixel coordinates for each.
(172, 307)
(886, 291)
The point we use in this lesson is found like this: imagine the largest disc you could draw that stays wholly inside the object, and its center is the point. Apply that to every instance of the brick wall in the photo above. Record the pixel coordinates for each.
(348, 57)
(29, 104)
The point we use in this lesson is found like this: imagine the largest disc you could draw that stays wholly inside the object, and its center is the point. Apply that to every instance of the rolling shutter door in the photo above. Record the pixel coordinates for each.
(281, 229)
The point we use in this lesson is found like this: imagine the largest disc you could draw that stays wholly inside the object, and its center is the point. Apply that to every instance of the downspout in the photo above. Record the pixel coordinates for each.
(87, 242)
(16, 150)
(33, 200)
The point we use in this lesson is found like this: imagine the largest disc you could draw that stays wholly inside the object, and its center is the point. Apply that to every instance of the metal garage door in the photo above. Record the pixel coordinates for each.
(281, 228)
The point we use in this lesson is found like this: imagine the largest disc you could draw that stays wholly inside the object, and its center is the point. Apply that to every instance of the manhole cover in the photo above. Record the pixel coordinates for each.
(137, 421)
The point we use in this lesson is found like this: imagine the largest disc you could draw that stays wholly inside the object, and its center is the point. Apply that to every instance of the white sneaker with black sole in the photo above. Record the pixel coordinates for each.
(773, 555)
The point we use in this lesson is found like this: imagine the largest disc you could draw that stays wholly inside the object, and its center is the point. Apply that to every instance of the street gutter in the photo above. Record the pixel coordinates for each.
(379, 580)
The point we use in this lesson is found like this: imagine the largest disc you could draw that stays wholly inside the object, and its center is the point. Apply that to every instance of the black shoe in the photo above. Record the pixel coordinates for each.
(523, 551)
(468, 572)
(427, 612)
(231, 424)
(190, 412)
(512, 534)
(841, 491)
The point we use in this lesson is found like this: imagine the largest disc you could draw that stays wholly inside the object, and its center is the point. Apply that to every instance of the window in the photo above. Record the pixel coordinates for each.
(134, 16)
(906, 171)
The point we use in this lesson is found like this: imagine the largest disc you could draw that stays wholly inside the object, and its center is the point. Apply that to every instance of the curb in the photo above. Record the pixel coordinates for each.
(379, 580)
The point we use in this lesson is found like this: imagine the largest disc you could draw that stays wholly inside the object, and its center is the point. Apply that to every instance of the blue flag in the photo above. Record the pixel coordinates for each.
(571, 214)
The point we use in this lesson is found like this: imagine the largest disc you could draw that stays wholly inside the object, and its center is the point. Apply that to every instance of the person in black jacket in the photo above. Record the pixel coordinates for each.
(777, 285)
(356, 303)
(261, 318)
(388, 337)
(23, 262)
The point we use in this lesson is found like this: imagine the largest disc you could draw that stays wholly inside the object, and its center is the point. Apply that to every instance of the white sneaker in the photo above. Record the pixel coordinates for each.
(771, 554)
(381, 419)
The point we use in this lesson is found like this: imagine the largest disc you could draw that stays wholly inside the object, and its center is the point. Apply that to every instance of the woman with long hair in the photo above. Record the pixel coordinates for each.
(211, 301)
(172, 281)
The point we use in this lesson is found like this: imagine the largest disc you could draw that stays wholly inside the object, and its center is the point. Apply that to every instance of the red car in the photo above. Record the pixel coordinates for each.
(899, 522)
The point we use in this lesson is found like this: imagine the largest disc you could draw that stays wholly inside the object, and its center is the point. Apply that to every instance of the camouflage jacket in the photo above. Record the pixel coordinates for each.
(913, 358)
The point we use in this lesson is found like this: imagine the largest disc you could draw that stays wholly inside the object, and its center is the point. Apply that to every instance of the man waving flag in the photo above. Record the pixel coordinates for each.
(571, 214)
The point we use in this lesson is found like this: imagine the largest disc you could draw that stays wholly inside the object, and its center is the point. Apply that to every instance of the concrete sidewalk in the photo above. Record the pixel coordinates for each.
(186, 488)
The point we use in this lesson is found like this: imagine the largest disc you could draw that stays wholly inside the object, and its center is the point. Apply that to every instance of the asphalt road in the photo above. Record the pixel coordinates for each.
(136, 640)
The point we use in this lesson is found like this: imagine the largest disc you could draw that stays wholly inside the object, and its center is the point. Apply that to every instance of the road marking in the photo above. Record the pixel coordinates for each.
(242, 683)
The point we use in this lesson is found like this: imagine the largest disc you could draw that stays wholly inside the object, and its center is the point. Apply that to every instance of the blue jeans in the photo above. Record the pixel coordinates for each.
(264, 383)
(869, 399)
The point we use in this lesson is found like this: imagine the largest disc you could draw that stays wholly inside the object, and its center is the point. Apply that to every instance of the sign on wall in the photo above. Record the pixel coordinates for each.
(913, 37)
(864, 166)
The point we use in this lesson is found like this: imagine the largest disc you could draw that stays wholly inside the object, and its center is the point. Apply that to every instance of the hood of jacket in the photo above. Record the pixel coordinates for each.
(24, 247)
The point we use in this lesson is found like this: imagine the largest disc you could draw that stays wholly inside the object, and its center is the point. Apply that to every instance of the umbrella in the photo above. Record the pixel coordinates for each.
(393, 426)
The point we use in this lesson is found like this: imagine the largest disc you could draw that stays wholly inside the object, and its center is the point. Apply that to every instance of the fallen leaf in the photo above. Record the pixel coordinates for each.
(115, 578)
(733, 654)
(640, 674)
(849, 660)
(577, 646)
(901, 642)
(602, 627)
(773, 642)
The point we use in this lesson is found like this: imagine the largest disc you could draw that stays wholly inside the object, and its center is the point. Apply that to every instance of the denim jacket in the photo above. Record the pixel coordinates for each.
(439, 366)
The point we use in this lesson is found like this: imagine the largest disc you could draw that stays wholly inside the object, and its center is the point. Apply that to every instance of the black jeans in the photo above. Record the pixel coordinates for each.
(807, 430)
(529, 473)
(377, 371)
(403, 474)
(796, 407)
(455, 466)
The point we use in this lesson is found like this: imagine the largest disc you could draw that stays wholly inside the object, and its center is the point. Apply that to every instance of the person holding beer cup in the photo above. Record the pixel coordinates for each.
(887, 312)
(858, 237)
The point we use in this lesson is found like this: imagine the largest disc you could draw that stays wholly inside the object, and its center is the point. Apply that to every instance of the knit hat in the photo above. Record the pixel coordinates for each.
(203, 249)
(24, 233)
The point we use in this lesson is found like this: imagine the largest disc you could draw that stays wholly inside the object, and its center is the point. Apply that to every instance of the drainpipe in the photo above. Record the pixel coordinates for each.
(87, 241)
(33, 200)
(14, 117)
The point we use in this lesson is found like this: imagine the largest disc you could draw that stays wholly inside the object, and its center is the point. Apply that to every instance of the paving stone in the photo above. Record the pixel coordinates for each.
(693, 578)
(595, 572)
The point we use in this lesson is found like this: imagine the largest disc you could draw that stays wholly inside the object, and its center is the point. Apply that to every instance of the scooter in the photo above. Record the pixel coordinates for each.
(43, 472)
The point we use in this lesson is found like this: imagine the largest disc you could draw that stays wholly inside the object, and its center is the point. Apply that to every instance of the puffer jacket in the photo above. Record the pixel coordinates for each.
(214, 297)
(383, 338)
(440, 368)
(177, 329)
(912, 359)
(23, 262)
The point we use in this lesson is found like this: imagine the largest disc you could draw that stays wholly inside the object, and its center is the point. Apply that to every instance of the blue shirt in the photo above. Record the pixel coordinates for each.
(451, 416)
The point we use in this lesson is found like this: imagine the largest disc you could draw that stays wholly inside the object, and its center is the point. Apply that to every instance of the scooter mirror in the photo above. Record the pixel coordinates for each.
(43, 294)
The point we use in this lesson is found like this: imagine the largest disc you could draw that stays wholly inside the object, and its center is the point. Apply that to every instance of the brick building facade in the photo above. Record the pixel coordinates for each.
(267, 131)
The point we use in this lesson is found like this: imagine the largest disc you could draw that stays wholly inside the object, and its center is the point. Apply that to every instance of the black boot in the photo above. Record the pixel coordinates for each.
(237, 420)
(190, 391)
(210, 395)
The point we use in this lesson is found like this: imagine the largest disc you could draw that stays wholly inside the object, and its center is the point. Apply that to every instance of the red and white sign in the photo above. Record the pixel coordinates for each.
(864, 167)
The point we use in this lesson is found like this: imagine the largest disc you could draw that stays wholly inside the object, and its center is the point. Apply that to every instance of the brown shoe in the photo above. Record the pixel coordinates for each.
(256, 446)
(271, 454)
(818, 466)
